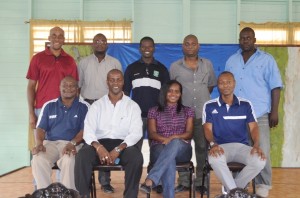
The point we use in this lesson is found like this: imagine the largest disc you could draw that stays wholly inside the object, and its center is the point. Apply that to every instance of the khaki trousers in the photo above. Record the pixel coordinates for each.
(43, 162)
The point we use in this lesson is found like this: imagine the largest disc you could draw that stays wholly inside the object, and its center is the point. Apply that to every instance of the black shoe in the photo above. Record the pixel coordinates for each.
(201, 189)
(107, 188)
(145, 188)
(221, 196)
(159, 189)
(181, 188)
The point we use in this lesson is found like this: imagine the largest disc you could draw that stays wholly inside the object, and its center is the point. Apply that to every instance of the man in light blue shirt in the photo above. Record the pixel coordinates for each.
(258, 80)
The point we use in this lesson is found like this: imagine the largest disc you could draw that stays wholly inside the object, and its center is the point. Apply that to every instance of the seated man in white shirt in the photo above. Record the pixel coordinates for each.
(112, 127)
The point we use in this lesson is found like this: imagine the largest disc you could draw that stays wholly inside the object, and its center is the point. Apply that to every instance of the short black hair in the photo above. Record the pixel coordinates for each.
(248, 29)
(146, 38)
(226, 72)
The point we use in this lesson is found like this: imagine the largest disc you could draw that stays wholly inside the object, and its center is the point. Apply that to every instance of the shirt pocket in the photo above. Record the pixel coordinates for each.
(202, 78)
(124, 121)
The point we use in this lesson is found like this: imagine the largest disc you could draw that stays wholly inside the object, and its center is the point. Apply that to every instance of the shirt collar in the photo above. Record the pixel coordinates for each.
(48, 52)
(258, 51)
(108, 100)
(171, 107)
(154, 62)
(221, 102)
(60, 103)
(96, 58)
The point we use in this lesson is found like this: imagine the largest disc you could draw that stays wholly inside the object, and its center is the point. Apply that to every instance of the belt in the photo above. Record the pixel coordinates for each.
(90, 101)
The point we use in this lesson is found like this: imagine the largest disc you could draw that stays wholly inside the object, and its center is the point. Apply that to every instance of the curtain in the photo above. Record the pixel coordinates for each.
(78, 31)
(275, 33)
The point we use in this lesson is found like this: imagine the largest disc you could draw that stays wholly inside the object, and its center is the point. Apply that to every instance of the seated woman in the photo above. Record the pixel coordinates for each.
(170, 128)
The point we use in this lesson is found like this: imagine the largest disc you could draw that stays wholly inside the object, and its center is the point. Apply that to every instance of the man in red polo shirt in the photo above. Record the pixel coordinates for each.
(46, 70)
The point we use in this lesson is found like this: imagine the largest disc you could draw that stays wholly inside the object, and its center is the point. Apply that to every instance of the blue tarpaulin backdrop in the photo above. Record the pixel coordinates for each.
(168, 53)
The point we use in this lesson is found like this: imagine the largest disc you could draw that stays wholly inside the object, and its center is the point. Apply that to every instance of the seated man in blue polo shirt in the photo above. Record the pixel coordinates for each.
(59, 135)
(226, 120)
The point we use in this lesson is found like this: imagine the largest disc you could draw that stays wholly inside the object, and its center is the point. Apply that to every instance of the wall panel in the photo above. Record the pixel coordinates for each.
(13, 63)
(214, 21)
(160, 19)
(264, 11)
(56, 9)
(107, 10)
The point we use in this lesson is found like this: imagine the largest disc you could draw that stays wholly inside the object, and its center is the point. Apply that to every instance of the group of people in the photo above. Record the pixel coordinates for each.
(170, 107)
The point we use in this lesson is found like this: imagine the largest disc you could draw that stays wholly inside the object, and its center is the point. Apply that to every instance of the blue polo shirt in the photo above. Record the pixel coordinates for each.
(60, 122)
(255, 79)
(229, 123)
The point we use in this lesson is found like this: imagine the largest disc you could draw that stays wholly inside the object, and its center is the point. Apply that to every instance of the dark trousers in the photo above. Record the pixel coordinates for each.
(131, 158)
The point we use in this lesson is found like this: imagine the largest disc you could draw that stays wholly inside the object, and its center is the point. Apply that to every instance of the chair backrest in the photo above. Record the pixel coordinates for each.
(104, 167)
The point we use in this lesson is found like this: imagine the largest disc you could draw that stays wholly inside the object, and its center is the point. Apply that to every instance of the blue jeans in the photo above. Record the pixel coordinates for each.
(165, 158)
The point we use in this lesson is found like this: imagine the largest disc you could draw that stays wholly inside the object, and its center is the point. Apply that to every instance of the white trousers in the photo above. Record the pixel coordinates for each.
(236, 152)
(43, 162)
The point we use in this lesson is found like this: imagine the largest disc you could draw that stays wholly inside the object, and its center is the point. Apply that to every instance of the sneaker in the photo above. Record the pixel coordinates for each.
(201, 189)
(238, 192)
(262, 192)
(145, 188)
(181, 188)
(159, 189)
(107, 188)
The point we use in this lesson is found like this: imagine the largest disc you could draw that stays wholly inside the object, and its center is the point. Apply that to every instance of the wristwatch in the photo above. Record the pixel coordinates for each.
(73, 142)
(212, 144)
(118, 149)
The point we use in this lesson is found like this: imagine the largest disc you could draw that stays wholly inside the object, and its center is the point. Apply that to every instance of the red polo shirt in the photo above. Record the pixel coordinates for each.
(48, 71)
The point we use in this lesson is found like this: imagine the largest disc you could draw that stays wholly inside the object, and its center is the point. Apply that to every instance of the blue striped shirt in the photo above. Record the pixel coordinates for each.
(60, 122)
(229, 123)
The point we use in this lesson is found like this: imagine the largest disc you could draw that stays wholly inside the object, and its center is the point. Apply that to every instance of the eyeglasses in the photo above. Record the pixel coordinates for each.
(99, 42)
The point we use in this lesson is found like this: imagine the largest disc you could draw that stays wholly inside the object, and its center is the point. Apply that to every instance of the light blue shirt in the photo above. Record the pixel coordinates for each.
(255, 79)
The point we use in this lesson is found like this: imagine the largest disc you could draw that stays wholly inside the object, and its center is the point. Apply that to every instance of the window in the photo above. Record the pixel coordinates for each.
(270, 36)
(274, 33)
(78, 31)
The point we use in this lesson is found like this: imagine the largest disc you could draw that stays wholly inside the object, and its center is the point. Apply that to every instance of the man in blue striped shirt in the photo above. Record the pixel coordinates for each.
(225, 122)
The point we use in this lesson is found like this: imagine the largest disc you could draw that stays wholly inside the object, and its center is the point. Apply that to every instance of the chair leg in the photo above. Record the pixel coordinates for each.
(208, 184)
(206, 175)
(191, 178)
(253, 186)
(93, 186)
(193, 184)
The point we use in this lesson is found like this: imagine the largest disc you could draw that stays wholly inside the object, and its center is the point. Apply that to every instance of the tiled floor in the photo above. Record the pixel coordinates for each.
(19, 183)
